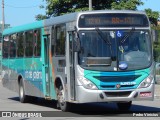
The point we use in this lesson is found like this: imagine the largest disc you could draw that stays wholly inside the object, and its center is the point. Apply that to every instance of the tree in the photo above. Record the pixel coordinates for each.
(153, 16)
(60, 7)
(40, 17)
(126, 4)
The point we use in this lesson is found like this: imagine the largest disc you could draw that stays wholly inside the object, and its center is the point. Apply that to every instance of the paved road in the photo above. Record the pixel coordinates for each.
(9, 101)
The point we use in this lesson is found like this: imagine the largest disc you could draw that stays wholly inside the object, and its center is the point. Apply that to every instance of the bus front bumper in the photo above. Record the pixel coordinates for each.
(85, 95)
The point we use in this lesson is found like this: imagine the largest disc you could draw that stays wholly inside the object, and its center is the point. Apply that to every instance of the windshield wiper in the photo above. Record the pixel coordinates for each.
(126, 36)
(100, 33)
(104, 38)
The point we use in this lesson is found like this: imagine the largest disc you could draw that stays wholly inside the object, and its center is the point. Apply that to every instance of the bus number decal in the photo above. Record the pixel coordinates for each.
(33, 74)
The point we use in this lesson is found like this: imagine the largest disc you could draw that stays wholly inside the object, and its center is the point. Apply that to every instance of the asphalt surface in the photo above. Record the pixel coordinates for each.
(99, 111)
(157, 91)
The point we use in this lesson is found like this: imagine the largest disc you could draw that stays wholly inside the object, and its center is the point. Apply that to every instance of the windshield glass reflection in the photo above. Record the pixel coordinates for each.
(106, 51)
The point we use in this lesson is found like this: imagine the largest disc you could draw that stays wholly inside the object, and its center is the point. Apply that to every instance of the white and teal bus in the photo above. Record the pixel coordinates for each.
(97, 56)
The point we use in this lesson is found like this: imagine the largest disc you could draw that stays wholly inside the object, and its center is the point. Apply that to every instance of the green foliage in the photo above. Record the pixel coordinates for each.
(126, 4)
(153, 16)
(40, 17)
(156, 51)
(60, 7)
(156, 46)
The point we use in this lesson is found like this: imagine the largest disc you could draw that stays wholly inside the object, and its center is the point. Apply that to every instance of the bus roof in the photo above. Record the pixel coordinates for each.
(25, 27)
(61, 19)
(42, 23)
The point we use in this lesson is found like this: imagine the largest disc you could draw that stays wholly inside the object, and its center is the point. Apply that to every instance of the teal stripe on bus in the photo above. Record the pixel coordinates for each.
(26, 27)
(109, 80)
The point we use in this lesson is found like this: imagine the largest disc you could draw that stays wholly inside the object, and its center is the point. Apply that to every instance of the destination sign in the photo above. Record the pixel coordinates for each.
(113, 20)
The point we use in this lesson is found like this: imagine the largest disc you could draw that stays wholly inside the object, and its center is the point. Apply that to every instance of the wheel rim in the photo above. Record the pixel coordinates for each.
(61, 97)
(21, 92)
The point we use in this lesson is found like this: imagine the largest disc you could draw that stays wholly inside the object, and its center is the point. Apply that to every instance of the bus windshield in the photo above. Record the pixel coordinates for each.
(105, 50)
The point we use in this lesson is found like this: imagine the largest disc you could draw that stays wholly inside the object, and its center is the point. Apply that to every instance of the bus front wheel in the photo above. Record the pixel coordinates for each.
(124, 105)
(23, 98)
(62, 104)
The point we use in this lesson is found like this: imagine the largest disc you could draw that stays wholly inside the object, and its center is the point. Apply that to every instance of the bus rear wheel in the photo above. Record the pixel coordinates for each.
(124, 105)
(23, 98)
(62, 104)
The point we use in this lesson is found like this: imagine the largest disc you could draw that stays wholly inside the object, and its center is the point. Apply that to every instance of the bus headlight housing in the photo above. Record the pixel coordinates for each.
(147, 82)
(87, 83)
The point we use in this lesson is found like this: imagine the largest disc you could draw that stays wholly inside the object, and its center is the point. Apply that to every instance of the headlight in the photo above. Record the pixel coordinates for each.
(147, 82)
(87, 83)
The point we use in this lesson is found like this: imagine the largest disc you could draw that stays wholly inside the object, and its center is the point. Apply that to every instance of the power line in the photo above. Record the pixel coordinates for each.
(7, 5)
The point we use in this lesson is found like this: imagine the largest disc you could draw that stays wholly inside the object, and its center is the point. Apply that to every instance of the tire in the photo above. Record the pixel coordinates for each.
(62, 104)
(124, 106)
(22, 97)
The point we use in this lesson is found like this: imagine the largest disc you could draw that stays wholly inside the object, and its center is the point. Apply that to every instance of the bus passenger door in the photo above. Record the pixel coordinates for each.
(70, 65)
(45, 68)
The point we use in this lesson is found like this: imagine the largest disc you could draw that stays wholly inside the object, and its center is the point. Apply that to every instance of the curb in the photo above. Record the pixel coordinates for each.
(156, 97)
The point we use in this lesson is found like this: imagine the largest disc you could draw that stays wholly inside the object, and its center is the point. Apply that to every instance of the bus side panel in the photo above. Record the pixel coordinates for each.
(13, 73)
(5, 73)
(52, 78)
(29, 69)
(10, 71)
(32, 73)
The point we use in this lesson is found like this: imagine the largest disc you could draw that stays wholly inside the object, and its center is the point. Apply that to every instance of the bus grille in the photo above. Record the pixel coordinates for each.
(118, 94)
(110, 82)
(117, 78)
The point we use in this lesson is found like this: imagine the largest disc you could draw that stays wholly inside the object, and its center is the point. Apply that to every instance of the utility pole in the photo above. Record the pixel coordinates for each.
(3, 21)
(90, 5)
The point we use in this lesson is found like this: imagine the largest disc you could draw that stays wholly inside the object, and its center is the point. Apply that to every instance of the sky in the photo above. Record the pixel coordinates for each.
(153, 4)
(18, 12)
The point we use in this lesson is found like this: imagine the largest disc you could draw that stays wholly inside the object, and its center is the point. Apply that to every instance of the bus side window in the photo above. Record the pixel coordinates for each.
(37, 43)
(60, 40)
(6, 47)
(20, 48)
(13, 45)
(29, 43)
